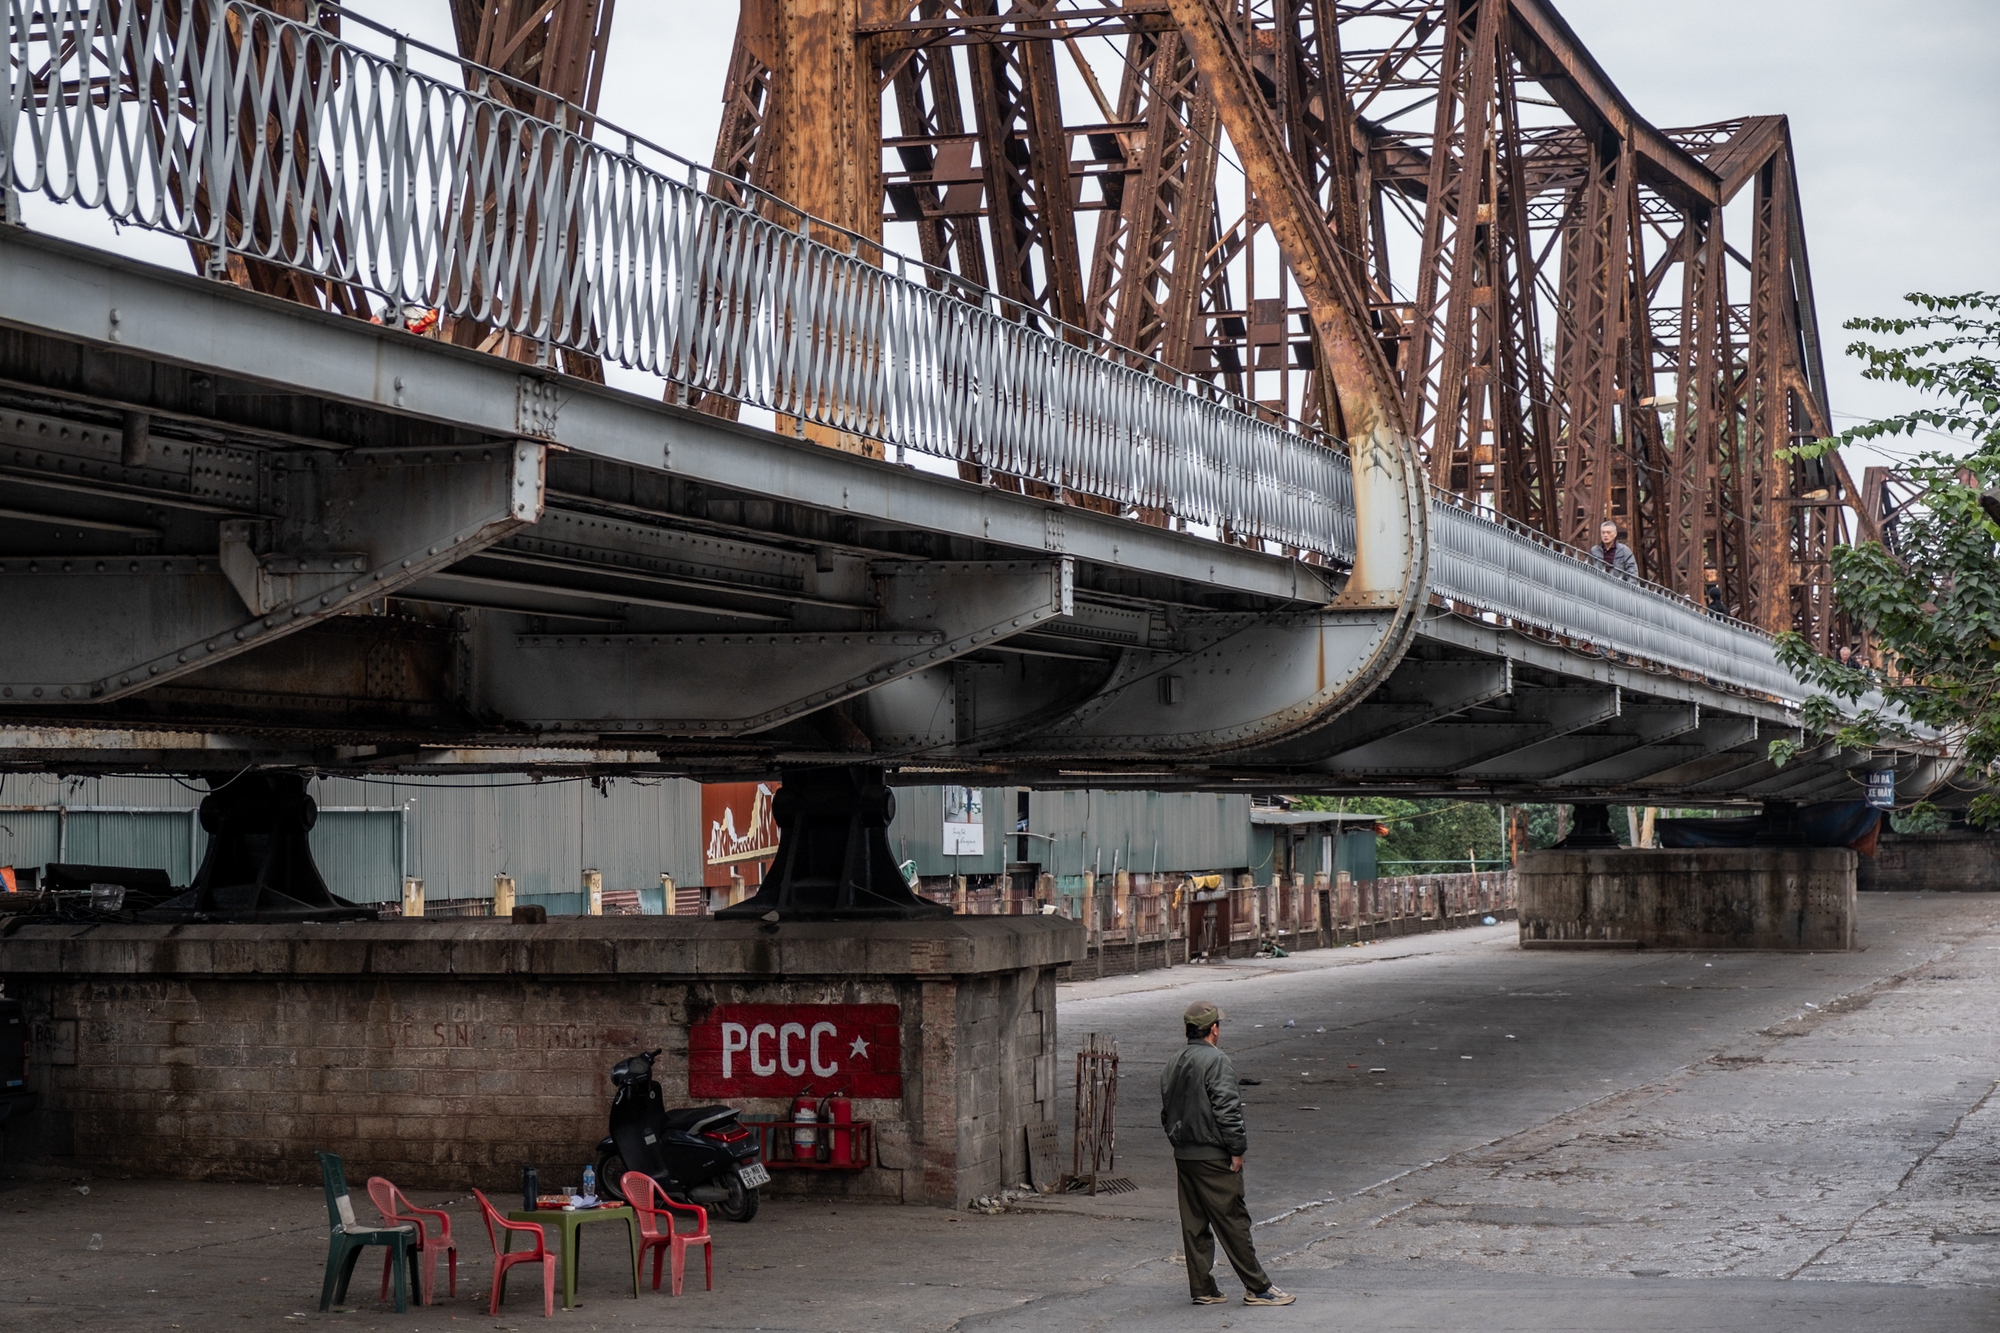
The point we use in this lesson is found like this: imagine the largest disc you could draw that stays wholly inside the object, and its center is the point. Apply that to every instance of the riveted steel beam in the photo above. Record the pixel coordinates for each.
(1231, 683)
(1711, 736)
(1416, 694)
(731, 684)
(340, 532)
(1637, 725)
(1460, 747)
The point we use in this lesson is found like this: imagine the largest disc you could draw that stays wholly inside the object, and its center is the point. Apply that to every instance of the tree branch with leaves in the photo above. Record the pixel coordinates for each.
(1931, 607)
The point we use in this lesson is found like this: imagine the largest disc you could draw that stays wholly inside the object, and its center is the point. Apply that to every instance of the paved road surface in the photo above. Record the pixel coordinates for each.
(1454, 1135)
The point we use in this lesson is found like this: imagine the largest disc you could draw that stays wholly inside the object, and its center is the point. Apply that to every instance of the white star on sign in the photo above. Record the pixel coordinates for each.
(859, 1050)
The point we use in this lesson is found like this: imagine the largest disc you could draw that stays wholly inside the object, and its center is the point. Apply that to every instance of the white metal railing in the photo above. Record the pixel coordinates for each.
(1532, 580)
(275, 142)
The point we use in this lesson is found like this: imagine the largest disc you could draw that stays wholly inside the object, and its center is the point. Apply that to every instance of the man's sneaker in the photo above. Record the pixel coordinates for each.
(1272, 1296)
(1217, 1299)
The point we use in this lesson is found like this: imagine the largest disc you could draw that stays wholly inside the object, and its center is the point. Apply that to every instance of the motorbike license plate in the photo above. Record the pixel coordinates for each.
(753, 1176)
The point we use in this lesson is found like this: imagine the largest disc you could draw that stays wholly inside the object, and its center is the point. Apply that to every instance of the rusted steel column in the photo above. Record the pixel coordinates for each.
(1768, 419)
(822, 131)
(1389, 495)
(820, 142)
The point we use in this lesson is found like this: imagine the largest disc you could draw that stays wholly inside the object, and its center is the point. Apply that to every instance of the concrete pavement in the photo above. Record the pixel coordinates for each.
(1453, 1134)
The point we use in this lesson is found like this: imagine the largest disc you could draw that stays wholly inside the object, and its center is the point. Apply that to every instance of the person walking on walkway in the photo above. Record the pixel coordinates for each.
(1202, 1112)
(1613, 554)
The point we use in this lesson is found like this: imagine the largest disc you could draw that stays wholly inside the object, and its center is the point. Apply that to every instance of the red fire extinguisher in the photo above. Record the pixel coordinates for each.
(805, 1138)
(838, 1110)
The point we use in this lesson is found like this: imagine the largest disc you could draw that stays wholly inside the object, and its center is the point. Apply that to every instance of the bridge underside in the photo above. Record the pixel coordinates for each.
(239, 532)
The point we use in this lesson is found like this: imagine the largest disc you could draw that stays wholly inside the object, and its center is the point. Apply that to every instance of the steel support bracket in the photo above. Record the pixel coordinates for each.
(727, 684)
(107, 627)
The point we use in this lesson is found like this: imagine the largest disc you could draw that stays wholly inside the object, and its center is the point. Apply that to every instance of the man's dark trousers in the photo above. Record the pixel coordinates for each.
(1211, 1195)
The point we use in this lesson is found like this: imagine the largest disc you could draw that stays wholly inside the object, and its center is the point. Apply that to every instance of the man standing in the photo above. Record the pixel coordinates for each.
(1202, 1113)
(1613, 554)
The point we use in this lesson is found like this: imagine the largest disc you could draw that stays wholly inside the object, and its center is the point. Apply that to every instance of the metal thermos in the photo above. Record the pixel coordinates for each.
(531, 1186)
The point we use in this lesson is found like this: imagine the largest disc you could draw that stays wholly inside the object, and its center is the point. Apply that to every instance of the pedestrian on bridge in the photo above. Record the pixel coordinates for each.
(1613, 554)
(1202, 1112)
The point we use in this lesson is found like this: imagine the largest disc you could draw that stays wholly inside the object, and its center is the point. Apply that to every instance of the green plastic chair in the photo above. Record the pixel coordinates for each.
(349, 1238)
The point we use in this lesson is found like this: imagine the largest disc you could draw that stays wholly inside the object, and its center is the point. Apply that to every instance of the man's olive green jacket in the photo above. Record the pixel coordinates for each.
(1200, 1108)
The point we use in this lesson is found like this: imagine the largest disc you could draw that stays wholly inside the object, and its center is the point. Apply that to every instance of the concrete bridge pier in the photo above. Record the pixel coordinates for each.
(1789, 898)
(453, 1052)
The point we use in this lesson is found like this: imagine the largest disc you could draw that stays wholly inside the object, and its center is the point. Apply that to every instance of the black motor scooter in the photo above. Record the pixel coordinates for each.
(699, 1154)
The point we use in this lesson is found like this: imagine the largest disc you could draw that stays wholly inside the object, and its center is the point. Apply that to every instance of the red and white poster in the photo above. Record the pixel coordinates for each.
(783, 1050)
(741, 835)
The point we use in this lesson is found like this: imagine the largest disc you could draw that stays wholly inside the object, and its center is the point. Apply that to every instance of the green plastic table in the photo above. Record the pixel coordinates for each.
(564, 1226)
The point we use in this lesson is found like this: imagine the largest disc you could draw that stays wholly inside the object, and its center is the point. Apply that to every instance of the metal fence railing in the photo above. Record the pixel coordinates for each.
(1532, 580)
(276, 142)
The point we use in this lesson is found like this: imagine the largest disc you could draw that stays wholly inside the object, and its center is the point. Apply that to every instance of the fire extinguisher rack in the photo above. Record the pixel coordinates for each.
(850, 1146)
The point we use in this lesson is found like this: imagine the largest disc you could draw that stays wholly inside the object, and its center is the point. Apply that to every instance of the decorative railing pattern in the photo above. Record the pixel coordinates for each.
(272, 141)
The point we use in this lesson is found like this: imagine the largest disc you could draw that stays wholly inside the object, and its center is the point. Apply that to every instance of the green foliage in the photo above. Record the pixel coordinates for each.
(1923, 817)
(1932, 607)
(1442, 830)
(1429, 830)
(1953, 359)
(1546, 825)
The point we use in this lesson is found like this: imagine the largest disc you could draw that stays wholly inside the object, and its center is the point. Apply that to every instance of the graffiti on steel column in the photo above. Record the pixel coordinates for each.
(782, 1050)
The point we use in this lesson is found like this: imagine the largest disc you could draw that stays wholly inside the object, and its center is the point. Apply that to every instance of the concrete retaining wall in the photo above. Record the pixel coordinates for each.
(1714, 898)
(1957, 860)
(454, 1052)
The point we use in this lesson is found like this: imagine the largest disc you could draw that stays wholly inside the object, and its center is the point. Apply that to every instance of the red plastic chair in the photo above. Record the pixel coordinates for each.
(649, 1201)
(502, 1261)
(389, 1202)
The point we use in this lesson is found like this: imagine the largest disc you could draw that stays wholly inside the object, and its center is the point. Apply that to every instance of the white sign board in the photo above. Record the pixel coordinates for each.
(964, 821)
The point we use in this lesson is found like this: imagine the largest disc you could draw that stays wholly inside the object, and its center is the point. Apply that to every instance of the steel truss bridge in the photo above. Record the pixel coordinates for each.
(1210, 494)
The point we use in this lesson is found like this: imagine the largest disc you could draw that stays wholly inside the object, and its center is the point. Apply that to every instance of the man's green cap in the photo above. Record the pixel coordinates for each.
(1201, 1013)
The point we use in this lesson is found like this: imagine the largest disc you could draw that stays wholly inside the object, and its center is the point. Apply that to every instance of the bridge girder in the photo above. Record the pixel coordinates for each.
(674, 527)
(702, 598)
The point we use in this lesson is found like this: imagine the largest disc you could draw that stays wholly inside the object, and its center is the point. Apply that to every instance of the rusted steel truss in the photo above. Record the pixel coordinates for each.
(1586, 316)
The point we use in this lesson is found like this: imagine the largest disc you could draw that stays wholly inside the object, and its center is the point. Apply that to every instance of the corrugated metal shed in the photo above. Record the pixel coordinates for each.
(28, 837)
(464, 831)
(1310, 841)
(455, 834)
(917, 831)
(1146, 831)
(1070, 832)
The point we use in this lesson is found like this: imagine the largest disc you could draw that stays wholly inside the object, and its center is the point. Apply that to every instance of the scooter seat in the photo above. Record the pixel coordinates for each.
(694, 1119)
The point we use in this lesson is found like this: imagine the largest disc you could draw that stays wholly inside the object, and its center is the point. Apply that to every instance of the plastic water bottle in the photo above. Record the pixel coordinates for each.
(590, 1182)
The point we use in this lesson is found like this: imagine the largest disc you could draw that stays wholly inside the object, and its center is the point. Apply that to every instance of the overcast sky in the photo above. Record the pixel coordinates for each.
(1894, 107)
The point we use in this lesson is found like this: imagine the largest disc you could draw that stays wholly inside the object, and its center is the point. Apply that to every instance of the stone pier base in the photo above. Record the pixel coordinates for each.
(1714, 898)
(447, 1053)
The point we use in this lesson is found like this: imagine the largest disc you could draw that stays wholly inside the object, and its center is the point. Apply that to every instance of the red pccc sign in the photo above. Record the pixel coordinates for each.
(782, 1050)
